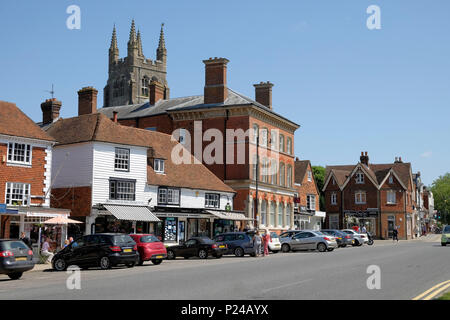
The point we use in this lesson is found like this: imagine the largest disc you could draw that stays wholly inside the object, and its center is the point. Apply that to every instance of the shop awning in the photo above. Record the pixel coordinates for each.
(43, 212)
(131, 213)
(228, 215)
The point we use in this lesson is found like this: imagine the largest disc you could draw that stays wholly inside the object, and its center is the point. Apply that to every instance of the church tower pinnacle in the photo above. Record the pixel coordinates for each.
(161, 51)
(113, 49)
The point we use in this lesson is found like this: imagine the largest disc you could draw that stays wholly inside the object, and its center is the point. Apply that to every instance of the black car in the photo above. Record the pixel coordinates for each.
(200, 247)
(103, 250)
(237, 243)
(342, 238)
(15, 258)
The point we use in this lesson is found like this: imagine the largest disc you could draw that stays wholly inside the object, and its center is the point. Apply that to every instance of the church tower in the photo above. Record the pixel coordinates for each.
(129, 77)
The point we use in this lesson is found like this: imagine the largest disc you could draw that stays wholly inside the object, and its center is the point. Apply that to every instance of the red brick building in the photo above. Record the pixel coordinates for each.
(378, 196)
(307, 213)
(25, 173)
(203, 122)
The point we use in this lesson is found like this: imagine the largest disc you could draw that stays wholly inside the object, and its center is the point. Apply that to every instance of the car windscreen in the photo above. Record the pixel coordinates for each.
(274, 235)
(10, 245)
(123, 240)
(149, 239)
(447, 229)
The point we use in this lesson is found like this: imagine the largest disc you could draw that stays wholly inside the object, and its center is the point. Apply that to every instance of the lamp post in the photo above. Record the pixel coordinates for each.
(256, 184)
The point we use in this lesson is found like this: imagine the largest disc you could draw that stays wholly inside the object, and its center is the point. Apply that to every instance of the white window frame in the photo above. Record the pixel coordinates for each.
(122, 159)
(359, 177)
(289, 176)
(359, 195)
(311, 202)
(264, 137)
(391, 197)
(168, 196)
(334, 198)
(27, 153)
(391, 179)
(281, 144)
(289, 145)
(158, 165)
(122, 190)
(274, 139)
(24, 192)
(212, 200)
(309, 175)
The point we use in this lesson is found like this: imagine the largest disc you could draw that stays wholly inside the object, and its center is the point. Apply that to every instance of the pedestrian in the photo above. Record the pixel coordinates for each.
(45, 251)
(395, 234)
(266, 240)
(363, 229)
(257, 243)
(25, 239)
(66, 243)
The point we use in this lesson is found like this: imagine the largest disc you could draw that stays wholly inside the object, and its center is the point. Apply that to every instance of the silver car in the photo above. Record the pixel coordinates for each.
(360, 238)
(309, 240)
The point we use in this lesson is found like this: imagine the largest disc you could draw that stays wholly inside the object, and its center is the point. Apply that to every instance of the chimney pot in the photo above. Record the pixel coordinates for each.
(87, 100)
(263, 93)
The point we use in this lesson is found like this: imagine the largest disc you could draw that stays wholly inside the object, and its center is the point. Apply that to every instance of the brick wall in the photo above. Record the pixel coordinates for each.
(308, 188)
(77, 199)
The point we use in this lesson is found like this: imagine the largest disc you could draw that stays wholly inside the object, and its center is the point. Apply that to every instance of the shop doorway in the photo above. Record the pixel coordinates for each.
(391, 223)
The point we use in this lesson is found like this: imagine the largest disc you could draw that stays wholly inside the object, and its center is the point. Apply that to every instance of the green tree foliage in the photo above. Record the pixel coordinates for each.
(441, 194)
(319, 176)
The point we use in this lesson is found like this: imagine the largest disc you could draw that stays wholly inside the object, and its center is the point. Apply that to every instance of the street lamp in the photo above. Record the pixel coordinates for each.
(256, 184)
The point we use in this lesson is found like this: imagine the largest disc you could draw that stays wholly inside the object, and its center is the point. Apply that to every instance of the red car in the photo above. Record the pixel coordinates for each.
(149, 248)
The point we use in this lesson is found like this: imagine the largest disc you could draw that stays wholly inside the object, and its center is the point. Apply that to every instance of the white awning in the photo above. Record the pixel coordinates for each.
(131, 213)
(229, 215)
(320, 214)
(44, 212)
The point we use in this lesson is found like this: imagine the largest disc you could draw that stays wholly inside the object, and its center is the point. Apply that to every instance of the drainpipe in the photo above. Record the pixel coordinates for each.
(225, 147)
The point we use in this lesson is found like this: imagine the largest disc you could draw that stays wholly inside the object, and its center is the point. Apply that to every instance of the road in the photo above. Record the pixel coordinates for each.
(407, 269)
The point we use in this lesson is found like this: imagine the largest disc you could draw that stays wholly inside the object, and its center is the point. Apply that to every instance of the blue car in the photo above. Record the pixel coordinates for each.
(238, 243)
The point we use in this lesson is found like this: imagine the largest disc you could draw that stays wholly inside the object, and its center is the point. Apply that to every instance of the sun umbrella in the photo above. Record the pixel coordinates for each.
(60, 220)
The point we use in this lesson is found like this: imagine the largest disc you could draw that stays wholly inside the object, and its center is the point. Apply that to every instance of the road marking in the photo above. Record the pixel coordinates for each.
(420, 296)
(437, 292)
(286, 285)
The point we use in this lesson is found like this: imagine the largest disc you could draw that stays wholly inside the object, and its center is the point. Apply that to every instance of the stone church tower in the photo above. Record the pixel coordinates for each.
(129, 77)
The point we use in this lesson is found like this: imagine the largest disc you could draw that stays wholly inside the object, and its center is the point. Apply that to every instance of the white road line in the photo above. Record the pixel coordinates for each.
(286, 285)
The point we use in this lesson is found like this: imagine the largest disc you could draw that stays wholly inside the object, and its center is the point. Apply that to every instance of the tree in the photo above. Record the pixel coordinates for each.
(319, 176)
(441, 194)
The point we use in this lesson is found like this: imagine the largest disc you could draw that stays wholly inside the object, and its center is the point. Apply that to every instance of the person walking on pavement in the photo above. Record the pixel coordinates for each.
(257, 243)
(266, 240)
(25, 239)
(395, 234)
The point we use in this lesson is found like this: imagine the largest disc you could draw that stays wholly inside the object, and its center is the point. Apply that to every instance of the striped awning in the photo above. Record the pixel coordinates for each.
(131, 213)
(229, 215)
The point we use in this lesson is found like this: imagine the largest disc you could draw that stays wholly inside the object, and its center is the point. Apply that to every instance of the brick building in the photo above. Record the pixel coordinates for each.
(25, 173)
(307, 214)
(378, 196)
(202, 122)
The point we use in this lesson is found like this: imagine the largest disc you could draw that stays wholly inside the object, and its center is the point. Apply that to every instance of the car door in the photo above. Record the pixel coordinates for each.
(77, 252)
(297, 242)
(190, 248)
(230, 240)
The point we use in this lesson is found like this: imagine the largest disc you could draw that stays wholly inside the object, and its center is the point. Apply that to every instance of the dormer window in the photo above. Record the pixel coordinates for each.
(309, 175)
(391, 179)
(334, 198)
(359, 177)
(333, 181)
(158, 165)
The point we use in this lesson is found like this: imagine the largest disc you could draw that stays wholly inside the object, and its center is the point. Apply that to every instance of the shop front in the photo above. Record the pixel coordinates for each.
(367, 219)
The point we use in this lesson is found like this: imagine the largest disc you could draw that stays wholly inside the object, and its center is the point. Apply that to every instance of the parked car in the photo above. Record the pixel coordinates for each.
(15, 258)
(200, 247)
(274, 243)
(237, 243)
(445, 238)
(103, 250)
(360, 238)
(287, 235)
(343, 239)
(149, 248)
(309, 240)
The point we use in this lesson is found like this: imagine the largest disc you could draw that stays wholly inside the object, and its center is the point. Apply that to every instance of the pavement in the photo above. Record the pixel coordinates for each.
(405, 269)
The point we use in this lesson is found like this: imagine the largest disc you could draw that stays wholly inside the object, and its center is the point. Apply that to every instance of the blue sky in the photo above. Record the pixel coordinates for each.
(351, 89)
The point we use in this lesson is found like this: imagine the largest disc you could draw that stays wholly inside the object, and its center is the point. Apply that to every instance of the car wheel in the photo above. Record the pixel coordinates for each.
(15, 275)
(356, 244)
(202, 254)
(321, 247)
(59, 264)
(156, 261)
(130, 264)
(343, 246)
(285, 247)
(105, 263)
(239, 252)
(218, 256)
(170, 255)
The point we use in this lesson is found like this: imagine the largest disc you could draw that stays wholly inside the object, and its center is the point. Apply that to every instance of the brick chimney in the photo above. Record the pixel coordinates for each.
(115, 116)
(87, 100)
(50, 110)
(364, 158)
(215, 80)
(263, 93)
(156, 92)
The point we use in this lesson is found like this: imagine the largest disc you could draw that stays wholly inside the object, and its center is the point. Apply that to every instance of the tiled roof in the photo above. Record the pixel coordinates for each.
(13, 122)
(181, 104)
(301, 166)
(98, 127)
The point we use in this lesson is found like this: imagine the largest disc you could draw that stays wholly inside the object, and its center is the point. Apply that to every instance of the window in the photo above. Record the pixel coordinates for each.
(274, 139)
(289, 176)
(334, 221)
(212, 200)
(274, 171)
(254, 173)
(169, 196)
(145, 87)
(182, 138)
(391, 197)
(281, 143)
(159, 165)
(289, 146)
(272, 213)
(255, 132)
(391, 179)
(311, 202)
(360, 197)
(334, 198)
(280, 214)
(282, 181)
(359, 177)
(122, 189)
(263, 141)
(19, 153)
(17, 194)
(263, 212)
(122, 160)
(288, 215)
(309, 175)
